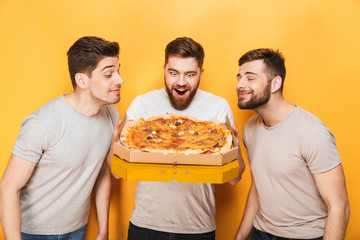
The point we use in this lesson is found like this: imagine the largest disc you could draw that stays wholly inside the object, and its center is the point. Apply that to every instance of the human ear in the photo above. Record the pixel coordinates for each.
(81, 80)
(201, 73)
(276, 84)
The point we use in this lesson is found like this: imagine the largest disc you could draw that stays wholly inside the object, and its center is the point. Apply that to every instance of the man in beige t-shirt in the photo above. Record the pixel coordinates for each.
(298, 186)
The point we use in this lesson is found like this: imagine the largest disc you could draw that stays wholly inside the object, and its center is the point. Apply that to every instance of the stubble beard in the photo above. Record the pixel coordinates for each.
(257, 100)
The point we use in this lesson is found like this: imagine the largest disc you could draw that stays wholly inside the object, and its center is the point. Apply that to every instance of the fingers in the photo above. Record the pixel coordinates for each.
(115, 176)
(236, 132)
(113, 139)
(116, 129)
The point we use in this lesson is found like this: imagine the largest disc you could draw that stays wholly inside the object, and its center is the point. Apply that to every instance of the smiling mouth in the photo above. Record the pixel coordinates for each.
(243, 92)
(117, 90)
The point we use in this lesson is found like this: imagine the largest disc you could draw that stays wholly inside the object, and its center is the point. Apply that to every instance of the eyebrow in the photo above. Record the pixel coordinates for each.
(172, 69)
(251, 73)
(246, 73)
(109, 66)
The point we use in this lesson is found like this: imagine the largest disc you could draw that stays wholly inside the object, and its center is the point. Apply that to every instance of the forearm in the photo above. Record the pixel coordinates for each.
(332, 188)
(337, 221)
(241, 171)
(10, 213)
(102, 199)
(252, 206)
(240, 160)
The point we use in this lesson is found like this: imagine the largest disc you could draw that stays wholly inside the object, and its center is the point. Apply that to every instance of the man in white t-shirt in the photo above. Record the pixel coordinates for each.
(59, 156)
(298, 186)
(173, 210)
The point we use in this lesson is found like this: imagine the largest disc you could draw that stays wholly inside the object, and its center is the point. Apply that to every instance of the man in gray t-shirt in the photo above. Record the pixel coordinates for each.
(60, 154)
(298, 186)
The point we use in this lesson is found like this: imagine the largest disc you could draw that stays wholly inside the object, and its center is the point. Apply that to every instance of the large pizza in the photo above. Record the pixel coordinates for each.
(173, 133)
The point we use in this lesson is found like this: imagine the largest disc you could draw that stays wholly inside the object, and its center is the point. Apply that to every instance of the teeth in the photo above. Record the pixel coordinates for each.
(180, 91)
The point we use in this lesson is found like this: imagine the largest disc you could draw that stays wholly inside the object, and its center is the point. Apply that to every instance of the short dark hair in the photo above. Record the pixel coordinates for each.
(185, 47)
(85, 54)
(273, 60)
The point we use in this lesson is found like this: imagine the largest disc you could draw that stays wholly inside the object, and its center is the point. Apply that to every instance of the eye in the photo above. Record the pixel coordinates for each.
(251, 77)
(173, 73)
(190, 74)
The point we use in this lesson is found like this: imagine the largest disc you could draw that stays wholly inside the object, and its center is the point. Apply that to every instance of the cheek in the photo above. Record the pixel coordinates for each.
(194, 83)
(99, 88)
(169, 81)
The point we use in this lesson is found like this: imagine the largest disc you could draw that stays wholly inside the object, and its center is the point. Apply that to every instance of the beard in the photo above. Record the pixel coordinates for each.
(256, 100)
(180, 103)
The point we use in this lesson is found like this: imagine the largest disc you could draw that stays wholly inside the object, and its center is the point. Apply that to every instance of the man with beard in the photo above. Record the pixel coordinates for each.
(173, 210)
(298, 188)
(59, 155)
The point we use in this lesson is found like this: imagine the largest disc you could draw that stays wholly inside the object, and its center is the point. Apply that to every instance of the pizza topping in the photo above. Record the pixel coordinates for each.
(175, 133)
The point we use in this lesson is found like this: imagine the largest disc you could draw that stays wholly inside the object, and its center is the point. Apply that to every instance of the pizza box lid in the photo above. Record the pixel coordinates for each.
(170, 172)
(213, 159)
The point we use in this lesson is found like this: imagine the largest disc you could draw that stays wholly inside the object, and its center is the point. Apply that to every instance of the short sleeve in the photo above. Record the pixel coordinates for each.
(32, 141)
(319, 149)
(226, 111)
(132, 113)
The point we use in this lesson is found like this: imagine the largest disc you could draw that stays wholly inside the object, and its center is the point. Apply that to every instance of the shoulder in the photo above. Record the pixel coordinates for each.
(203, 98)
(47, 112)
(307, 117)
(207, 96)
(148, 98)
(112, 112)
(152, 95)
(253, 121)
(308, 124)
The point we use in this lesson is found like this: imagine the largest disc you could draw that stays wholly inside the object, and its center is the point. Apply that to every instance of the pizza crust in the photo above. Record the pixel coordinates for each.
(127, 130)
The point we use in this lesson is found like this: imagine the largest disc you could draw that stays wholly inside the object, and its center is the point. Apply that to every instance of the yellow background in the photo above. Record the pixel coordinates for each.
(320, 40)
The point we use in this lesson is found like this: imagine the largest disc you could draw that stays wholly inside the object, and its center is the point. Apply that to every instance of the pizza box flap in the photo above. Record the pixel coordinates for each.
(180, 173)
(213, 159)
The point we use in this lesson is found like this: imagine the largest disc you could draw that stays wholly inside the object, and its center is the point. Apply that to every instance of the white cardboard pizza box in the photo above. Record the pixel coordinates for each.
(212, 159)
(170, 172)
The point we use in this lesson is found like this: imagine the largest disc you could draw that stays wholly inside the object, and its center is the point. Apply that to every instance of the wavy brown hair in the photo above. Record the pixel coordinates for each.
(185, 47)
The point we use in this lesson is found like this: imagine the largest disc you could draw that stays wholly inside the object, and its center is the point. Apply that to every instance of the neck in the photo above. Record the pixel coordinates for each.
(83, 104)
(275, 110)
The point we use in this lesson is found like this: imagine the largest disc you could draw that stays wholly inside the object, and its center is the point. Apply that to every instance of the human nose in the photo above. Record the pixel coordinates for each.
(119, 80)
(181, 81)
(240, 83)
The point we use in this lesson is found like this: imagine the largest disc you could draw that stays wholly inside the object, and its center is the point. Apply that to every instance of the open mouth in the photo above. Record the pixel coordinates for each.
(180, 93)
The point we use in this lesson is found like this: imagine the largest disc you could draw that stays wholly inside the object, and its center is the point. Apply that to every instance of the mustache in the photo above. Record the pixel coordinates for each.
(244, 91)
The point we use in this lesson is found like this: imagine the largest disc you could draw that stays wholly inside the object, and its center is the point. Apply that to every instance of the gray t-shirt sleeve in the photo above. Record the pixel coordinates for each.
(32, 140)
(319, 149)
